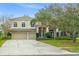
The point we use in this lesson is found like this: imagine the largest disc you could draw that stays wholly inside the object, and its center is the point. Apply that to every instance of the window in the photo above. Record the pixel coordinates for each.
(15, 24)
(32, 25)
(23, 24)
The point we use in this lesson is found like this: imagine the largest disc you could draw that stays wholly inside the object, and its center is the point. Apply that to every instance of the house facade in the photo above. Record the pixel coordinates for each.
(43, 31)
(20, 28)
(40, 30)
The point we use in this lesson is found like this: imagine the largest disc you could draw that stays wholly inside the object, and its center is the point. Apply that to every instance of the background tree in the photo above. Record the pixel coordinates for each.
(64, 18)
(5, 24)
(43, 16)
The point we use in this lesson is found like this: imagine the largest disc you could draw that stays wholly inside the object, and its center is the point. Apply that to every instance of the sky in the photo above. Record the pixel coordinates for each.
(20, 9)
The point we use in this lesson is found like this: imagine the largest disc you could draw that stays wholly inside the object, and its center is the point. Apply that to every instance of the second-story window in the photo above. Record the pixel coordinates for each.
(15, 24)
(23, 24)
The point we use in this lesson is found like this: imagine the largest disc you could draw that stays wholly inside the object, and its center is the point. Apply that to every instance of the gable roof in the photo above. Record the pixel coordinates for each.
(23, 18)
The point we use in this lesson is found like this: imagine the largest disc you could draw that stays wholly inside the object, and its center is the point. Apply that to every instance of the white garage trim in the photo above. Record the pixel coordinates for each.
(27, 36)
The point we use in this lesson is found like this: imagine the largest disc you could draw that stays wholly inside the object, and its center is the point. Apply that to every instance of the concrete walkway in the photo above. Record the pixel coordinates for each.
(29, 47)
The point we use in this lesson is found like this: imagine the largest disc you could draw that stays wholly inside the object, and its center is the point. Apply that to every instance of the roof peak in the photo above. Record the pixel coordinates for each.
(22, 18)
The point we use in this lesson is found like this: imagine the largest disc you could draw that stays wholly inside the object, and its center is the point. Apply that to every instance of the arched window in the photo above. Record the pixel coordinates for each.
(23, 24)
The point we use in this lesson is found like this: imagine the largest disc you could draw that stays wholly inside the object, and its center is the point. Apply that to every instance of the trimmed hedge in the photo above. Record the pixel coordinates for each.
(48, 36)
(63, 38)
(57, 38)
(44, 38)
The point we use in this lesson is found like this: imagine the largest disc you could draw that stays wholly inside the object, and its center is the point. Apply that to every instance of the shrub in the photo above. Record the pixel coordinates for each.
(9, 35)
(44, 38)
(37, 35)
(48, 35)
(0, 33)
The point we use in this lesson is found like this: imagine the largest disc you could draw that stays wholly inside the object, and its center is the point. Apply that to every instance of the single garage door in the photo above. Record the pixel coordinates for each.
(31, 35)
(19, 35)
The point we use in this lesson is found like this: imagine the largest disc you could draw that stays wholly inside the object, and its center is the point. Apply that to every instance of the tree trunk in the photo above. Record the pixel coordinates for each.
(55, 34)
(59, 33)
(42, 32)
(74, 37)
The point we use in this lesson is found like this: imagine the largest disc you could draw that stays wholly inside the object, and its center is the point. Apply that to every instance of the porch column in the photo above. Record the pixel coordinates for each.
(37, 30)
(42, 32)
(47, 29)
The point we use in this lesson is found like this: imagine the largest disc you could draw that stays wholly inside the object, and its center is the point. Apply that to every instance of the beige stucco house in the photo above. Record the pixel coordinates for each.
(20, 28)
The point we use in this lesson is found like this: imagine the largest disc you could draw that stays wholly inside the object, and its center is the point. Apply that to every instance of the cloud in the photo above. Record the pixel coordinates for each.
(33, 6)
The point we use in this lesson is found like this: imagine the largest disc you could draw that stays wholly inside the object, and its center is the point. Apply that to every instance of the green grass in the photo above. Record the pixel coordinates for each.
(2, 41)
(64, 44)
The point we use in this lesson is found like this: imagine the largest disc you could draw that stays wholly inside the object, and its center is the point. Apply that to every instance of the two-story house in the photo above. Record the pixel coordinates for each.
(20, 28)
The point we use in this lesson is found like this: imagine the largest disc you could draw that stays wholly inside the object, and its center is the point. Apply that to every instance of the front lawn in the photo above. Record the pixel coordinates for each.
(64, 44)
(2, 41)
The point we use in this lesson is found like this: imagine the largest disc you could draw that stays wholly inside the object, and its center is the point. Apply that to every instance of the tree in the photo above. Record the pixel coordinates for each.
(5, 24)
(56, 12)
(49, 17)
(69, 21)
(44, 17)
(64, 18)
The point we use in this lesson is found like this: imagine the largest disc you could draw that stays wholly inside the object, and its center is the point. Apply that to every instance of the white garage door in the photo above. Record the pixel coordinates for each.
(31, 35)
(19, 35)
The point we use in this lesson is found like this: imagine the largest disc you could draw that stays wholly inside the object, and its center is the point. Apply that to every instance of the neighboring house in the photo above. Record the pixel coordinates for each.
(20, 28)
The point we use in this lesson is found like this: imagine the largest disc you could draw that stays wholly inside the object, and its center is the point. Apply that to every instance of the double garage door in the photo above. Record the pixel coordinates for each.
(24, 35)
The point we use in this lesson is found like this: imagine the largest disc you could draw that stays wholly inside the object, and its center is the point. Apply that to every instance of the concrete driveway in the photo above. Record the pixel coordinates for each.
(29, 47)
